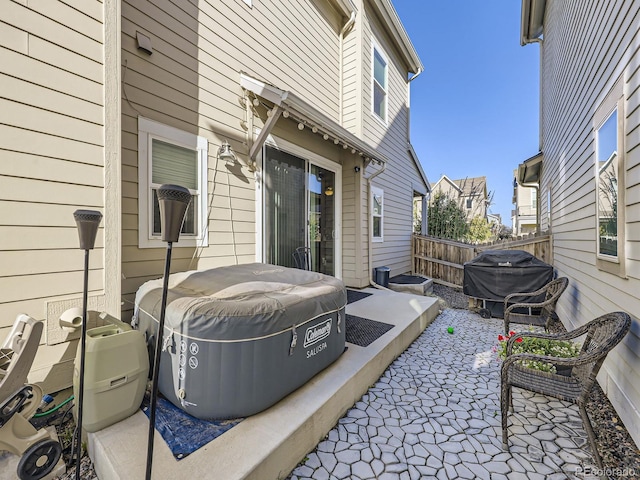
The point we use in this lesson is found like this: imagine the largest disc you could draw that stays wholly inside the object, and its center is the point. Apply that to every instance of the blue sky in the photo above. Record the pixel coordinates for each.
(474, 110)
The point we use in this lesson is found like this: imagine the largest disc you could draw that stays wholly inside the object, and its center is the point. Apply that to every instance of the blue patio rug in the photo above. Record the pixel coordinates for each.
(183, 433)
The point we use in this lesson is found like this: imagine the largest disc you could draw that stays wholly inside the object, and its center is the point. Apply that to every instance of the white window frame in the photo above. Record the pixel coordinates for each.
(312, 157)
(376, 47)
(377, 191)
(148, 130)
(549, 208)
(614, 101)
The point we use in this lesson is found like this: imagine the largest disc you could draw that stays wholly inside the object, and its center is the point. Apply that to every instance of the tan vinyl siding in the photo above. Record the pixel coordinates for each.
(191, 82)
(391, 139)
(587, 47)
(51, 160)
(352, 89)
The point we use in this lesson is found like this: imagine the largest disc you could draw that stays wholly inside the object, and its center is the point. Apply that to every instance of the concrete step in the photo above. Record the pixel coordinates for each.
(425, 287)
(270, 444)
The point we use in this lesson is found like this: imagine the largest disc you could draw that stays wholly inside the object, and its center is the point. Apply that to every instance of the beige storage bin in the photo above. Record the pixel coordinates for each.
(115, 374)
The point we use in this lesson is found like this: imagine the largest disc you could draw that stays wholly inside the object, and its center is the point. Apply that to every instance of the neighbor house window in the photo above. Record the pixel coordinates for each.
(377, 214)
(609, 178)
(534, 199)
(167, 155)
(469, 203)
(380, 81)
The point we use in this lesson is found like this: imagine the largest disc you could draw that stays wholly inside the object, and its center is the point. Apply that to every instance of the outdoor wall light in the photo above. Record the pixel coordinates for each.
(225, 152)
(328, 191)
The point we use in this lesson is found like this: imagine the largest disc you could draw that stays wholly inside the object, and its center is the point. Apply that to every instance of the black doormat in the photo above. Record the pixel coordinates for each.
(354, 295)
(362, 331)
(407, 279)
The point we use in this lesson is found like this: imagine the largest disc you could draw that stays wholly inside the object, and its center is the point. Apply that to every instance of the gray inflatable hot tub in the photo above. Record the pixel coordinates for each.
(238, 339)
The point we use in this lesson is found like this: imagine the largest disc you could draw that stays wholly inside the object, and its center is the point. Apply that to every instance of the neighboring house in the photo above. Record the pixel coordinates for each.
(469, 193)
(588, 170)
(494, 219)
(524, 216)
(103, 101)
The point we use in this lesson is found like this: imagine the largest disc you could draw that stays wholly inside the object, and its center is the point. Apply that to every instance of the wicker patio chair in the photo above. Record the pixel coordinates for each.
(602, 334)
(536, 312)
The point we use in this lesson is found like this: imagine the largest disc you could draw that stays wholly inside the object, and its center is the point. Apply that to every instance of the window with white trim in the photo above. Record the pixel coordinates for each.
(608, 124)
(469, 203)
(167, 155)
(377, 214)
(380, 74)
(607, 185)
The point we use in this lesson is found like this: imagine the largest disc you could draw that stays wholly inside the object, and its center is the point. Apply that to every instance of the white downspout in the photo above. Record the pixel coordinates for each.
(346, 27)
(370, 239)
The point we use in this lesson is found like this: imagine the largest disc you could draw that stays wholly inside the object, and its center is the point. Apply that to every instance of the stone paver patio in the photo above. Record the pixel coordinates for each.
(435, 413)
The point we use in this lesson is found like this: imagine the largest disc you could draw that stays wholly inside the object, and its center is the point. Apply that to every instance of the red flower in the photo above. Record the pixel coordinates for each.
(512, 333)
(501, 338)
(519, 339)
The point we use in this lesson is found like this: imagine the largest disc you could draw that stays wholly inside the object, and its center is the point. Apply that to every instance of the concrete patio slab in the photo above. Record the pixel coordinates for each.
(270, 444)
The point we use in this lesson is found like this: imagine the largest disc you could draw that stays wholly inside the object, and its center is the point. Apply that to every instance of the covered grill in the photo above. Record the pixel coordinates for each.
(494, 274)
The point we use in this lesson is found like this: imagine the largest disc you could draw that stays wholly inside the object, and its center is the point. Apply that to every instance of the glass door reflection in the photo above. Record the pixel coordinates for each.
(321, 219)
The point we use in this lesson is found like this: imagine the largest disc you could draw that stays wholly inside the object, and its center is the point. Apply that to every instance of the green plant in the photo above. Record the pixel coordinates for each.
(479, 230)
(446, 218)
(538, 346)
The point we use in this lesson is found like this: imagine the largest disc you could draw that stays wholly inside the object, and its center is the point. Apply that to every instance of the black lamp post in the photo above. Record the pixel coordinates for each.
(173, 200)
(87, 222)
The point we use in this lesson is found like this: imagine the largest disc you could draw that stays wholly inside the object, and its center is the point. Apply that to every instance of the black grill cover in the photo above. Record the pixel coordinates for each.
(494, 274)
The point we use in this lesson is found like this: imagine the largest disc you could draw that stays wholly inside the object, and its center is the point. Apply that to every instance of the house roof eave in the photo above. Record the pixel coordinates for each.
(451, 182)
(416, 160)
(529, 171)
(346, 7)
(531, 20)
(397, 32)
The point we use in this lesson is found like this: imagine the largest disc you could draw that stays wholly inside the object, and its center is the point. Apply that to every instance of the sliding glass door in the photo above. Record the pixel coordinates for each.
(321, 238)
(299, 211)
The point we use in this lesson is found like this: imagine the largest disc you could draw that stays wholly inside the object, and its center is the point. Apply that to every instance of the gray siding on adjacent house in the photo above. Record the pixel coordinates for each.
(587, 47)
(51, 159)
(392, 140)
(192, 82)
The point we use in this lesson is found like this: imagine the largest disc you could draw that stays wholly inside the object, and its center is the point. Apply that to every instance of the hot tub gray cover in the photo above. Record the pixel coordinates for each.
(241, 302)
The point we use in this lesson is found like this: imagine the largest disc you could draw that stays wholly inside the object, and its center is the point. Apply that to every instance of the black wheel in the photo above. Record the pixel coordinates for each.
(485, 313)
(39, 460)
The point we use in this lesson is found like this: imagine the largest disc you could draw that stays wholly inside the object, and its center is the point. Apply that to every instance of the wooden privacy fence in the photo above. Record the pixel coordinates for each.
(443, 260)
